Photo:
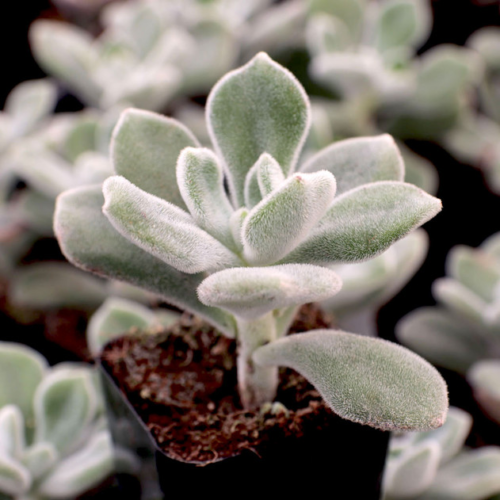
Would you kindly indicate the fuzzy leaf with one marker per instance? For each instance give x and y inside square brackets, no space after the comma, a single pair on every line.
[11,431]
[474,475]
[452,435]
[251,189]
[145,148]
[258,108]
[359,161]
[349,11]
[114,318]
[30,102]
[201,184]
[14,478]
[65,403]
[365,380]
[483,378]
[39,458]
[365,221]
[54,285]
[325,33]
[282,220]
[269,174]
[162,229]
[235,224]
[27,368]
[252,292]
[412,473]
[78,239]
[66,52]
[475,269]
[81,471]
[441,338]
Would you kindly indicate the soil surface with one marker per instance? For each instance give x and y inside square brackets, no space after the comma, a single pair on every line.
[182,382]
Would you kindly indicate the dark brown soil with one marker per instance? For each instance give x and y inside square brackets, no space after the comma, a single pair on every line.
[183,385]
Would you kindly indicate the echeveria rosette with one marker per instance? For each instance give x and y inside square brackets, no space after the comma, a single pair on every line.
[435,465]
[245,261]
[53,437]
[463,332]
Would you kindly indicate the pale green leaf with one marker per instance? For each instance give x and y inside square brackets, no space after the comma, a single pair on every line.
[251,292]
[359,161]
[93,247]
[251,188]
[236,223]
[487,42]
[441,338]
[474,475]
[14,478]
[351,12]
[410,474]
[39,458]
[27,368]
[483,377]
[145,148]
[419,171]
[201,184]
[81,137]
[326,33]
[51,285]
[81,471]
[65,403]
[365,380]
[283,219]
[269,174]
[259,108]
[365,221]
[163,229]
[12,440]
[114,318]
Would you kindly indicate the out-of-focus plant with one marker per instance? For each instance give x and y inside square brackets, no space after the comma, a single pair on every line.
[463,333]
[476,139]
[434,465]
[53,437]
[369,285]
[148,52]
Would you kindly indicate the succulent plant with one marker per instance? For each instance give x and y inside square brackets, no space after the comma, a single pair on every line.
[463,332]
[245,261]
[149,51]
[434,465]
[53,437]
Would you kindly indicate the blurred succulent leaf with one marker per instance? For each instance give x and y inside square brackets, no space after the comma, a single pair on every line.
[258,108]
[27,368]
[131,264]
[154,142]
[419,171]
[51,285]
[80,471]
[365,221]
[351,12]
[40,458]
[65,403]
[162,229]
[114,318]
[283,219]
[252,292]
[269,174]
[359,161]
[236,223]
[487,42]
[326,33]
[441,338]
[14,478]
[412,472]
[12,441]
[360,378]
[81,137]
[201,184]
[483,377]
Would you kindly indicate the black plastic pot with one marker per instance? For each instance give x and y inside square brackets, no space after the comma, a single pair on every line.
[345,460]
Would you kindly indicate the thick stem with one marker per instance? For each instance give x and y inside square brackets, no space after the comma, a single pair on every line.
[257,384]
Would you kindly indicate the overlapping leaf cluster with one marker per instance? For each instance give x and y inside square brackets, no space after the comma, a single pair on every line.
[53,437]
[434,465]
[246,261]
[463,332]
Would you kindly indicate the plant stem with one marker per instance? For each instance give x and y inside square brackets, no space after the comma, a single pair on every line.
[257,385]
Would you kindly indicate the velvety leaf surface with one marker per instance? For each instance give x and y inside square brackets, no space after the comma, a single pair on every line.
[14,478]
[252,292]
[284,218]
[366,221]
[92,247]
[11,431]
[152,142]
[162,229]
[258,108]
[358,161]
[269,174]
[366,380]
[27,368]
[201,184]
